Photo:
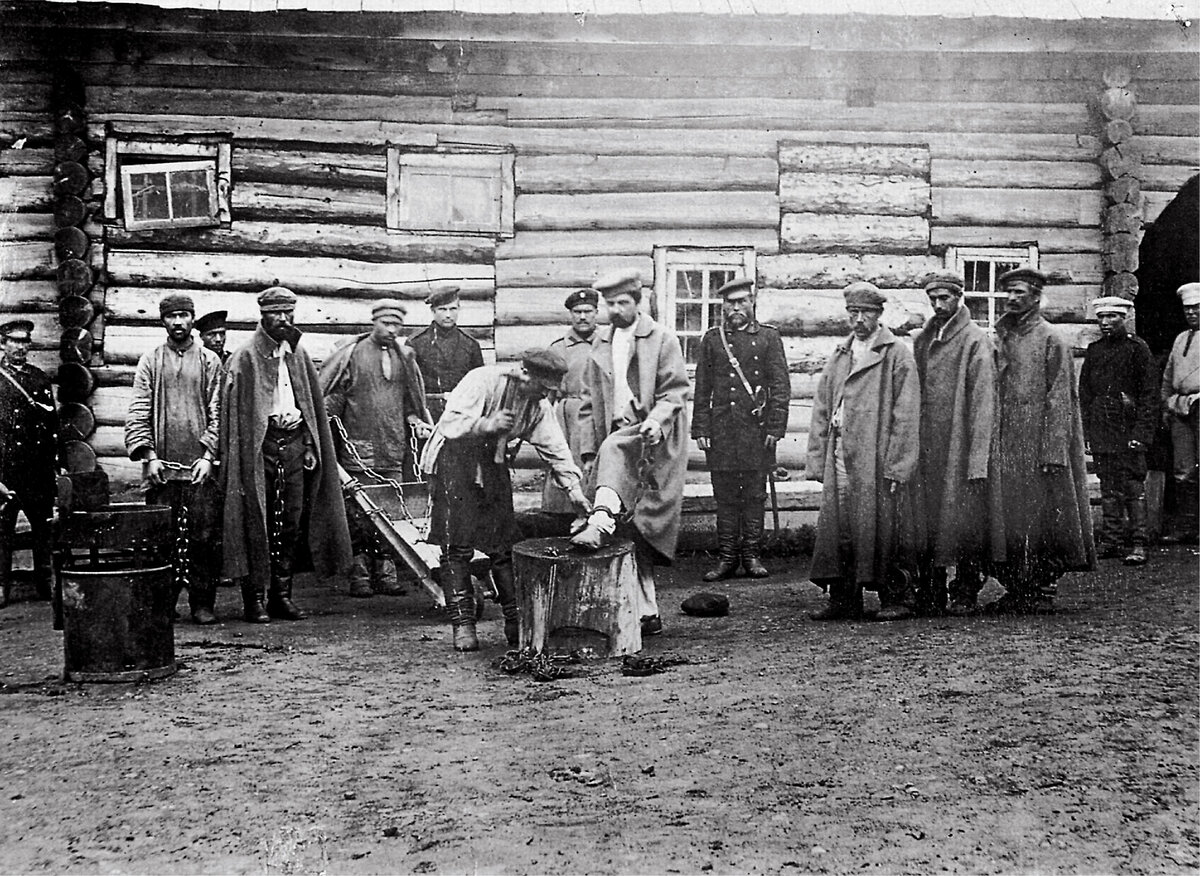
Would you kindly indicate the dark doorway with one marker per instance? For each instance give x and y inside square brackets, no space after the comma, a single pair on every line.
[1168,257]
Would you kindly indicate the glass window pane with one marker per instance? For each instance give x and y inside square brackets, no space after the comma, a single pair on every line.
[475,202]
[714,314]
[719,279]
[689,284]
[149,195]
[688,319]
[978,305]
[691,345]
[189,194]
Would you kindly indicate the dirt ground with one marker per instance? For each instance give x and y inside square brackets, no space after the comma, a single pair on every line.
[359,742]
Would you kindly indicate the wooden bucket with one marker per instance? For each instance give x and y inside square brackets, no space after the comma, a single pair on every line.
[577,602]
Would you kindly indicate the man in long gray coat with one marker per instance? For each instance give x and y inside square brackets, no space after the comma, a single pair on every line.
[863,445]
[1047,518]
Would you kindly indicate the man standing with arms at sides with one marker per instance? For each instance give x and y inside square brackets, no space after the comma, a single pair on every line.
[1118,397]
[279,466]
[739,415]
[1181,400]
[28,450]
[212,330]
[1047,518]
[173,428]
[444,351]
[635,435]
[374,387]
[956,363]
[576,349]
[470,486]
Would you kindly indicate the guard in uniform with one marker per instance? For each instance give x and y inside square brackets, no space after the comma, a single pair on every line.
[740,413]
[28,447]
[211,327]
[444,351]
[1118,397]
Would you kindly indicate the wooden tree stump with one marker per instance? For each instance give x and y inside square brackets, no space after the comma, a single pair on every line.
[575,601]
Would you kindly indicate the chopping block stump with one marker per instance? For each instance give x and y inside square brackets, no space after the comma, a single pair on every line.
[577,601]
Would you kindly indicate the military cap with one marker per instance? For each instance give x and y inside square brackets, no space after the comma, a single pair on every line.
[1189,294]
[863,294]
[440,297]
[388,307]
[1112,304]
[620,283]
[546,366]
[582,296]
[740,287]
[212,321]
[706,605]
[277,299]
[17,329]
[174,302]
[943,280]
[1026,274]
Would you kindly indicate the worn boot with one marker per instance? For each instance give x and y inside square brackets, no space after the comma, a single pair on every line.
[460,603]
[502,575]
[845,603]
[360,577]
[253,610]
[383,576]
[727,546]
[752,531]
[202,597]
[1112,527]
[279,600]
[1135,507]
[964,589]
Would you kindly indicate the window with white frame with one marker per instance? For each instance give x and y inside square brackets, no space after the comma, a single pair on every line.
[167,182]
[685,289]
[980,267]
[461,192]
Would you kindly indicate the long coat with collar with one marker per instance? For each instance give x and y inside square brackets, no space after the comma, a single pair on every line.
[28,433]
[252,374]
[577,351]
[880,441]
[959,430]
[658,377]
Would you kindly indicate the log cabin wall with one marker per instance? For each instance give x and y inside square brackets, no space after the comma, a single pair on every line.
[836,147]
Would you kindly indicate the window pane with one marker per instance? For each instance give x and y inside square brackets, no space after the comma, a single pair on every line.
[149,195]
[688,318]
[689,284]
[978,305]
[717,279]
[425,196]
[714,314]
[189,194]
[691,345]
[475,202]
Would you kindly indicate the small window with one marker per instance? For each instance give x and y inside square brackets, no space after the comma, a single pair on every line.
[454,192]
[160,182]
[980,267]
[686,282]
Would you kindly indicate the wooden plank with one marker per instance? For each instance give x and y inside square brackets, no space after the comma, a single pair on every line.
[527,306]
[1166,177]
[110,404]
[302,275]
[26,259]
[1017,207]
[1167,150]
[608,173]
[22,296]
[571,271]
[559,244]
[808,271]
[1047,239]
[263,201]
[1154,203]
[25,193]
[1068,304]
[1167,120]
[950,172]
[853,193]
[364,243]
[1084,267]
[259,129]
[822,233]
[881,159]
[26,226]
[26,162]
[819,312]
[109,440]
[659,210]
[274,164]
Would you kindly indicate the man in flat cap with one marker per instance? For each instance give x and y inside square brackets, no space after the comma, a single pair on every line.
[283,497]
[956,364]
[491,411]
[1118,398]
[373,386]
[635,437]
[212,331]
[863,446]
[28,455]
[739,414]
[1047,518]
[576,348]
[444,351]
[1181,400]
[173,428]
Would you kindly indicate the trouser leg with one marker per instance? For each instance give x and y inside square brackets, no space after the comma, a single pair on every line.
[725,491]
[8,522]
[1112,506]
[506,590]
[1185,446]
[753,505]
[460,595]
[1135,508]
[647,593]
[283,460]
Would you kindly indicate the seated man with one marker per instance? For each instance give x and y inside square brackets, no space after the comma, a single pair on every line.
[635,434]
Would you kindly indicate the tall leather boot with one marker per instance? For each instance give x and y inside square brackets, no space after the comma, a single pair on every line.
[1135,507]
[202,597]
[1112,527]
[279,600]
[845,603]
[752,533]
[727,544]
[502,575]
[460,603]
[253,610]
[360,577]
[896,595]
[1189,496]
[383,576]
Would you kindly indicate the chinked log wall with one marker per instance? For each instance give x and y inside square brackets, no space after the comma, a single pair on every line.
[631,132]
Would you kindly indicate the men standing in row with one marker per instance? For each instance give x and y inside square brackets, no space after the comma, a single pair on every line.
[173,428]
[1181,400]
[1047,519]
[576,349]
[373,386]
[279,462]
[740,413]
[212,331]
[470,486]
[863,446]
[28,455]
[1118,398]
[444,351]
[635,435]
[956,364]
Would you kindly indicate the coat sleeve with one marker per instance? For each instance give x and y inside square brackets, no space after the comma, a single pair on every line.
[904,442]
[414,385]
[334,378]
[1168,393]
[475,360]
[671,385]
[464,408]
[1061,405]
[779,387]
[139,419]
[1147,395]
[211,439]
[818,428]
[981,409]
[548,440]
[588,441]
[1086,396]
[702,397]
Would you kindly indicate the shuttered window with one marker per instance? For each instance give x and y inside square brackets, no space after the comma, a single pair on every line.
[454,192]
[686,283]
[980,267]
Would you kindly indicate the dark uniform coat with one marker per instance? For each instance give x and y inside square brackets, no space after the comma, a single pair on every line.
[28,434]
[1118,393]
[577,351]
[445,357]
[723,412]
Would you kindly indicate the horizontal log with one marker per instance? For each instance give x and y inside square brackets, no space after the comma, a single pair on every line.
[302,275]
[256,128]
[361,242]
[26,226]
[296,203]
[26,259]
[823,233]
[522,306]
[807,271]
[1063,207]
[108,440]
[25,194]
[114,375]
[1154,203]
[818,312]
[1047,239]
[1168,150]
[20,296]
[853,193]
[560,244]
[26,162]
[947,172]
[1167,177]
[309,166]
[1072,267]
[110,404]
[881,159]
[718,209]
[559,174]
[1064,304]
[571,271]
[124,477]
[1167,120]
